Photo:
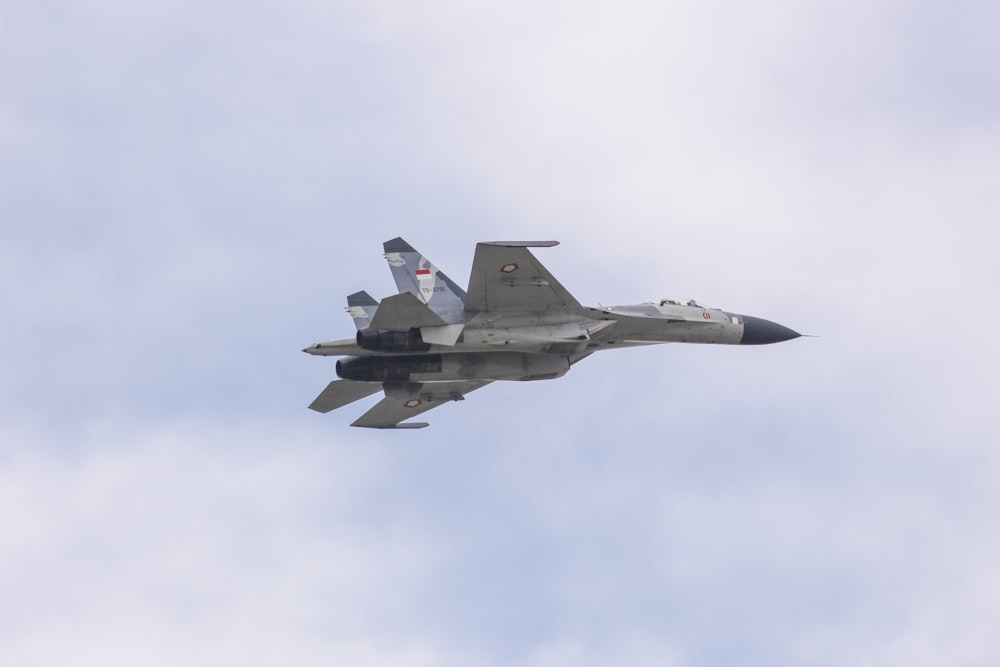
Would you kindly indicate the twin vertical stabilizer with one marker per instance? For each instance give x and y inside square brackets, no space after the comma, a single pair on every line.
[415,274]
[428,299]
[361,307]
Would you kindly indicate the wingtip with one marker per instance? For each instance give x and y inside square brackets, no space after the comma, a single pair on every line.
[521,244]
[390,427]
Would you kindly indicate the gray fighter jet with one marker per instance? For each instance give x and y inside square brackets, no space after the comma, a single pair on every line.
[434,342]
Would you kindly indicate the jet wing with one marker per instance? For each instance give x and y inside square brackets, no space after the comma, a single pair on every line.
[506,276]
[341,392]
[405,400]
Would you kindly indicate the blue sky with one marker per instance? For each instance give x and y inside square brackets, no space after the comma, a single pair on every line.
[188,191]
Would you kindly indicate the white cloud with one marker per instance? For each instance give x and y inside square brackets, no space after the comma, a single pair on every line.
[192,542]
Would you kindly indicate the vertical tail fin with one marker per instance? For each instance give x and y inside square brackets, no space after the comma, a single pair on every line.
[415,273]
[361,307]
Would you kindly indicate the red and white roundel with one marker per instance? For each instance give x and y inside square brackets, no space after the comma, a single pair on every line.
[508,268]
[412,403]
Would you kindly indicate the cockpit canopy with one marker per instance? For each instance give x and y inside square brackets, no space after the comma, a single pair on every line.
[680,302]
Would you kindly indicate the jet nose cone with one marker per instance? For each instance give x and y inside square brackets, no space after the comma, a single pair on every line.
[312,349]
[758,331]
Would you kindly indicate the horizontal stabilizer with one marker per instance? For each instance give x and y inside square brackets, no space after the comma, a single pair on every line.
[403,312]
[446,335]
[341,392]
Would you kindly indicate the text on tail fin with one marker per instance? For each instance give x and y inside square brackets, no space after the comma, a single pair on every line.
[415,274]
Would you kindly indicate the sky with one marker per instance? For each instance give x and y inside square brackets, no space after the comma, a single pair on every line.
[189,190]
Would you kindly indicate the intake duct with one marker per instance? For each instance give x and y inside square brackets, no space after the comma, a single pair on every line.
[387,369]
[381,340]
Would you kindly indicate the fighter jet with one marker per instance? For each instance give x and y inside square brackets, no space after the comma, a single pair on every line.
[433,342]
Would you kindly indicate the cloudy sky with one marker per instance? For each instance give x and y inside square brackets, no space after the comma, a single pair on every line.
[188,190]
